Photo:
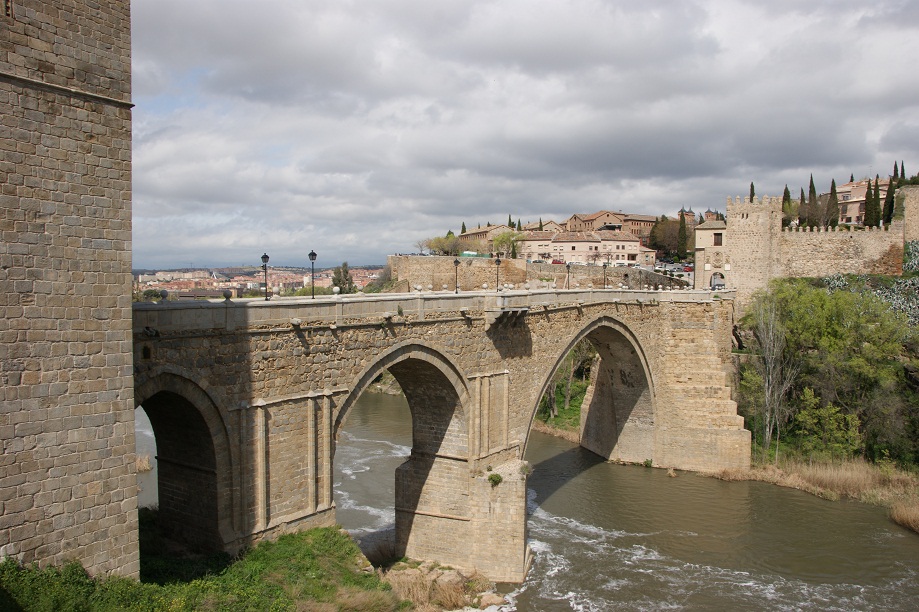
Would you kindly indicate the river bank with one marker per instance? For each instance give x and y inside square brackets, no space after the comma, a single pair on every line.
[880,485]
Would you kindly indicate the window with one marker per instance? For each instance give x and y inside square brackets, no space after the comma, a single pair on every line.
[8,8]
[717,238]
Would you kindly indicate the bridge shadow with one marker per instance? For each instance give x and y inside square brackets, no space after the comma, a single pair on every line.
[552,473]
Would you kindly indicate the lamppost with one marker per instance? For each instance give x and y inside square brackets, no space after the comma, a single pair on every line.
[605,265]
[265,268]
[497,271]
[568,275]
[456,263]
[312,257]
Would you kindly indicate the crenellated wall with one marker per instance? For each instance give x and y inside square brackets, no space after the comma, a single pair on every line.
[757,248]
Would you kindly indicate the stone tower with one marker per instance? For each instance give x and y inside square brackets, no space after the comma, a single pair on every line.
[753,232]
[67,473]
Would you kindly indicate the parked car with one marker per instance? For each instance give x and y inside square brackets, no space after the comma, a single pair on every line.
[687,268]
[539,261]
[556,261]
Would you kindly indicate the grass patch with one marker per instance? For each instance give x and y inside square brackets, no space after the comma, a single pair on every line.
[568,419]
[319,569]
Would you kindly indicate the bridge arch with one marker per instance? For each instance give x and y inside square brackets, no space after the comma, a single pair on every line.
[196,481]
[432,485]
[619,410]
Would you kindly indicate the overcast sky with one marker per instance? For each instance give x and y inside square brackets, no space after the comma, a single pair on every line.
[356,128]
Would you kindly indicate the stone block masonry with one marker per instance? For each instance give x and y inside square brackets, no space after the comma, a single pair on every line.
[757,248]
[67,474]
[261,390]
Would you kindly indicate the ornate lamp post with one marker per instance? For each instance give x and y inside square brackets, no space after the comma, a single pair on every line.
[497,271]
[456,263]
[312,257]
[605,265]
[568,275]
[265,268]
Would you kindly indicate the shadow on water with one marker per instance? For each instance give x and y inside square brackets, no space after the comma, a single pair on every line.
[554,472]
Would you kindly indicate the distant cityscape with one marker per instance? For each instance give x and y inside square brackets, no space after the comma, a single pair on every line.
[193,283]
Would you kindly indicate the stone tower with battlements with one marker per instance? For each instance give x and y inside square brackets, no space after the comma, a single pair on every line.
[67,468]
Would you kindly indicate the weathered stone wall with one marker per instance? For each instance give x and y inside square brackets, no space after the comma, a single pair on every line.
[67,474]
[281,377]
[437,273]
[838,250]
[757,248]
[907,201]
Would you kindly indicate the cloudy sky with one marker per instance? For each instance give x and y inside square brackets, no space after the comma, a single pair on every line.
[356,128]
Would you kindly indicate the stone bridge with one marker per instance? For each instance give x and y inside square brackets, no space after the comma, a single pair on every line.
[247,399]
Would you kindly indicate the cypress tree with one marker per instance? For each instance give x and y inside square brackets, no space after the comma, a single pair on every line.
[540,224]
[752,192]
[877,197]
[510,222]
[802,210]
[896,172]
[463,229]
[832,206]
[812,203]
[681,237]
[888,203]
[519,225]
[786,206]
[872,211]
[852,176]
[902,171]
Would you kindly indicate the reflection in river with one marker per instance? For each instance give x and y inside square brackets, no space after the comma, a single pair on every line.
[627,537]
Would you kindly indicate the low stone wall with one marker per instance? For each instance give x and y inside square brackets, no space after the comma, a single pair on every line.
[437,273]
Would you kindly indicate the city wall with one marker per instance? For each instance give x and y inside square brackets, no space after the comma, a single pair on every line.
[757,249]
[67,471]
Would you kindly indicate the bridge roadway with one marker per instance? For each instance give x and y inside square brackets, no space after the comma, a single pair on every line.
[247,398]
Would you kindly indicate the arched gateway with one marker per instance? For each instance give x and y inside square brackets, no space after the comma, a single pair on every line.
[249,397]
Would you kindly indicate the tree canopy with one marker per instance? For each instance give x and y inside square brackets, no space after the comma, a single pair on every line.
[850,351]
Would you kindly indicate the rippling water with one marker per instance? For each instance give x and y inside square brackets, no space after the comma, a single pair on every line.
[626,537]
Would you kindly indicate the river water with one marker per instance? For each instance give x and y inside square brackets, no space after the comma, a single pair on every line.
[611,537]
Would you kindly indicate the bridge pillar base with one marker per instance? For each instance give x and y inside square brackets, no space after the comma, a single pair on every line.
[703,450]
[487,534]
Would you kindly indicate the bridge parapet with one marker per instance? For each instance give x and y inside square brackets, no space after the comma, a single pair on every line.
[189,316]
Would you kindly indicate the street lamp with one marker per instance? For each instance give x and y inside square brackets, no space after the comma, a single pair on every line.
[497,271]
[312,257]
[568,275]
[456,263]
[265,268]
[605,266]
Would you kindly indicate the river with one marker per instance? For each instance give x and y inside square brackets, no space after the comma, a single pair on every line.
[610,536]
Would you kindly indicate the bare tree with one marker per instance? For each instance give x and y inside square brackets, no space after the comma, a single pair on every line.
[777,367]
